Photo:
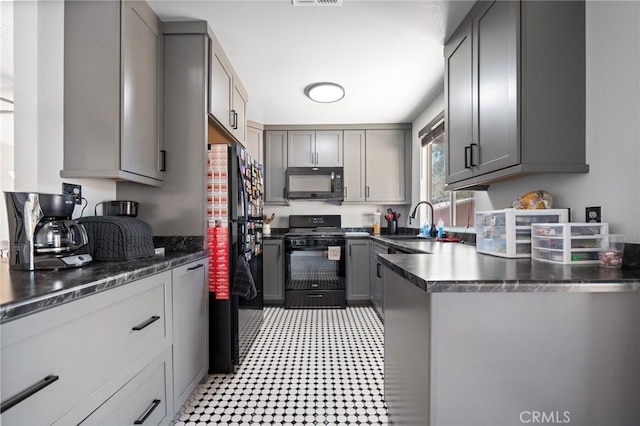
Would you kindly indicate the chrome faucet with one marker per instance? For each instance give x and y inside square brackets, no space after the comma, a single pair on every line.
[433,231]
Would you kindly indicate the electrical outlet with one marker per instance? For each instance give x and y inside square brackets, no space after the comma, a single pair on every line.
[72,189]
[593,214]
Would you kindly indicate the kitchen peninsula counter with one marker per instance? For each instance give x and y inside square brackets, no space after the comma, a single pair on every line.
[452,267]
[27,292]
[466,331]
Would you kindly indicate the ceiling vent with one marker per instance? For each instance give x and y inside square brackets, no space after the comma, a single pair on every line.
[316,2]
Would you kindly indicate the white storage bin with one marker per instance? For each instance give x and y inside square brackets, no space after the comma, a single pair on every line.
[507,232]
[569,243]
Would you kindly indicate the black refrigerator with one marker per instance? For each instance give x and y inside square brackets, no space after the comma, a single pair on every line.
[234,208]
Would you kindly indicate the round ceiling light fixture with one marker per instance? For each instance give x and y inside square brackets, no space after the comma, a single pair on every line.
[324,92]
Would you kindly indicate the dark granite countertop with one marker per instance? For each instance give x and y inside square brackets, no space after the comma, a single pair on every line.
[452,267]
[24,292]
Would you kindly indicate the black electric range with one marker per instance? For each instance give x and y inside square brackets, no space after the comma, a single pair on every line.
[315,262]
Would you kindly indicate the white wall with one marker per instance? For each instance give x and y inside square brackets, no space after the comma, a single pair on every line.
[353,216]
[39,90]
[612,129]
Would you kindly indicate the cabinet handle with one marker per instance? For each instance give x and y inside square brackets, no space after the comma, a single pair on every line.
[378,270]
[315,296]
[467,150]
[147,412]
[471,154]
[193,268]
[146,323]
[317,158]
[235,120]
[231,118]
[21,396]
[163,167]
[366,193]
[344,192]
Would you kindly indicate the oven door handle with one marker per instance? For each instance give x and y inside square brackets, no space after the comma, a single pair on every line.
[315,296]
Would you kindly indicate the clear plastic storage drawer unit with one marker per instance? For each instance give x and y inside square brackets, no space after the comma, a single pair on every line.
[569,243]
[507,232]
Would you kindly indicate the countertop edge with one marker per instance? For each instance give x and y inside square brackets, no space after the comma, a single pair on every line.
[12,311]
[511,286]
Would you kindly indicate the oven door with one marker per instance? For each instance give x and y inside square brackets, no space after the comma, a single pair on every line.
[315,275]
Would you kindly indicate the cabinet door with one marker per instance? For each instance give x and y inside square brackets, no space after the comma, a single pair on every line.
[221,84]
[275,166]
[273,271]
[146,396]
[376,278]
[254,143]
[385,161]
[358,270]
[496,39]
[141,67]
[301,148]
[458,93]
[189,328]
[328,148]
[354,168]
[240,113]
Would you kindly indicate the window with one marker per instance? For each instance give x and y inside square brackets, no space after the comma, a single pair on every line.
[433,165]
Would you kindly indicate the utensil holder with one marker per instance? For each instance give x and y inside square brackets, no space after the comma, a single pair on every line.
[392,227]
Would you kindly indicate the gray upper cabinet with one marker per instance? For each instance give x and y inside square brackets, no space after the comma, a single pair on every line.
[275,153]
[112,92]
[254,143]
[385,172]
[459,93]
[315,148]
[515,92]
[358,270]
[354,171]
[228,97]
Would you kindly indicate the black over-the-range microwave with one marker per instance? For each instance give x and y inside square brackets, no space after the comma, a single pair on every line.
[314,183]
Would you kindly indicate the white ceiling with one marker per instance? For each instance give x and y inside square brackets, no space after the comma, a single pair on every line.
[386,54]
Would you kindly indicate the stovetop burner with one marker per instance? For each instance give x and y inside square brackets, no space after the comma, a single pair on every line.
[315,226]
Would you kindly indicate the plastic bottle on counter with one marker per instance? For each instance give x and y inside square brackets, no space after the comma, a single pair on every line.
[376,223]
[440,228]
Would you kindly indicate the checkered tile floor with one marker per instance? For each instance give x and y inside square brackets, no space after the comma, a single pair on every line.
[306,367]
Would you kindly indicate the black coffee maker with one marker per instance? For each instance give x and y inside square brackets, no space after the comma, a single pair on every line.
[42,234]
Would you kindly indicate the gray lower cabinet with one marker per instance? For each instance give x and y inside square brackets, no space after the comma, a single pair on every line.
[273,271]
[358,270]
[406,351]
[448,356]
[112,92]
[190,319]
[79,355]
[375,281]
[514,92]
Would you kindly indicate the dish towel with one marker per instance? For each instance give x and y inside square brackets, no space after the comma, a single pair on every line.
[334,253]
[243,283]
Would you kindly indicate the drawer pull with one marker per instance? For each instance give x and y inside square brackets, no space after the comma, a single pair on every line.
[18,398]
[147,412]
[315,296]
[146,323]
[193,268]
